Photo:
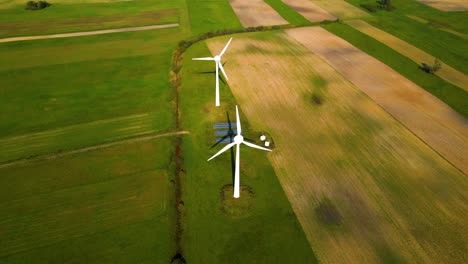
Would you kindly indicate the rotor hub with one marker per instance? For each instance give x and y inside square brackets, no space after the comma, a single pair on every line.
[238,139]
[217,58]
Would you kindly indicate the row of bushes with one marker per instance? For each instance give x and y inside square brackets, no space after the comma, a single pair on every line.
[32,5]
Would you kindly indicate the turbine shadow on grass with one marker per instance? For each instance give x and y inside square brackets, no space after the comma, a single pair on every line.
[213,72]
[229,135]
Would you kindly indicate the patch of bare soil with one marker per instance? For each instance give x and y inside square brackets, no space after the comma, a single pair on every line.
[252,13]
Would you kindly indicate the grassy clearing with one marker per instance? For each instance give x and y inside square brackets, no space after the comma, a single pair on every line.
[363,187]
[112,205]
[450,48]
[210,236]
[448,93]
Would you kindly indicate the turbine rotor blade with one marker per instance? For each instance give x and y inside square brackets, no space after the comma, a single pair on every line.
[225,47]
[238,124]
[222,70]
[255,146]
[228,146]
[206,58]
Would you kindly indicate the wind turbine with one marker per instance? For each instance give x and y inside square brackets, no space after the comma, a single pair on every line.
[219,66]
[238,140]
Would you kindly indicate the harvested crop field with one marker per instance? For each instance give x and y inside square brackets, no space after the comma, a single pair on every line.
[340,8]
[447,5]
[429,118]
[417,55]
[309,10]
[352,173]
[252,13]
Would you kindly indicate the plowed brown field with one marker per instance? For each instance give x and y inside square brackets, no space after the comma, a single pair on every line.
[309,10]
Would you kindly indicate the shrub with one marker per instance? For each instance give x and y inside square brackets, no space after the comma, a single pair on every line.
[431,69]
[32,5]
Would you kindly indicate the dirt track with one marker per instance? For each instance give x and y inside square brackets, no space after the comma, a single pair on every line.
[309,10]
[446,72]
[252,13]
[429,118]
[87,33]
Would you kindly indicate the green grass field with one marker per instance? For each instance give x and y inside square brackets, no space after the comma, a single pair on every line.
[269,232]
[105,206]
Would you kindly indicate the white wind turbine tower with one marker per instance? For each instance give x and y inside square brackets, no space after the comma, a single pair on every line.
[219,65]
[238,140]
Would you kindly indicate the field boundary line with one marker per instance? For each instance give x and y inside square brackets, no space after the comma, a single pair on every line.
[90,148]
[88,33]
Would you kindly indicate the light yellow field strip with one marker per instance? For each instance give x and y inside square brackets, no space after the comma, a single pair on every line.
[97,147]
[446,72]
[309,10]
[88,33]
[252,13]
[341,8]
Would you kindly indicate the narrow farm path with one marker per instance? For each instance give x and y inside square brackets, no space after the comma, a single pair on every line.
[419,56]
[88,33]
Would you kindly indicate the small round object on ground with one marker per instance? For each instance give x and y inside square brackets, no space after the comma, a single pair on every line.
[262,137]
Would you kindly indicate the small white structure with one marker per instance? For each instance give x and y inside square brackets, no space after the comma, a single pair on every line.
[267,143]
[219,66]
[262,137]
[238,140]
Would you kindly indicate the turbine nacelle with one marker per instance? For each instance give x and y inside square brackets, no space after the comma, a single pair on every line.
[217,58]
[238,139]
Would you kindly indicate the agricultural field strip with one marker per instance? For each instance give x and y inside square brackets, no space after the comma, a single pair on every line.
[252,13]
[425,115]
[92,148]
[418,56]
[447,5]
[88,33]
[309,10]
[314,159]
[424,21]
[341,9]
